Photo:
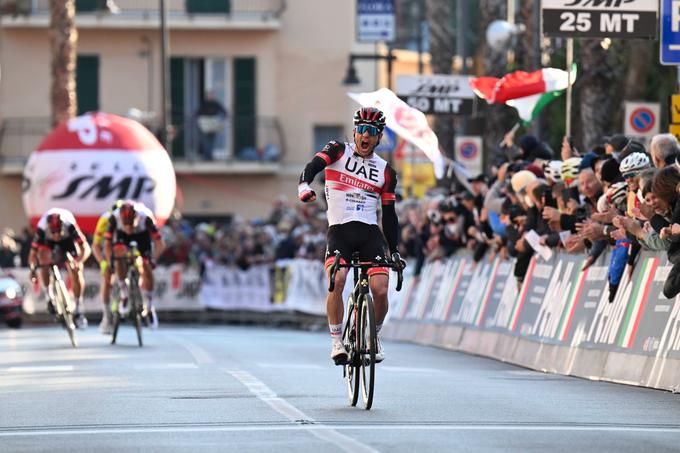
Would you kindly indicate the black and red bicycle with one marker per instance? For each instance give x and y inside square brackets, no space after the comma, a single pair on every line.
[359,335]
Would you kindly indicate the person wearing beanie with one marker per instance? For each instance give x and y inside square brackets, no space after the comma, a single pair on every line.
[533,149]
[609,172]
[614,144]
[588,161]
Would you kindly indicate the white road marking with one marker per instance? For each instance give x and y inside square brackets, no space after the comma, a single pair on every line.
[166,366]
[200,355]
[39,369]
[283,407]
[291,366]
[320,429]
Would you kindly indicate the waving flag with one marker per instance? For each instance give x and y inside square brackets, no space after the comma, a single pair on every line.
[407,122]
[528,92]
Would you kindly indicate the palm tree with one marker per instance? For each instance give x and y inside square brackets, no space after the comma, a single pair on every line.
[498,118]
[599,90]
[442,35]
[63,40]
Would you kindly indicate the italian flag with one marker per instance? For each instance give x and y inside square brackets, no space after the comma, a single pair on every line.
[527,92]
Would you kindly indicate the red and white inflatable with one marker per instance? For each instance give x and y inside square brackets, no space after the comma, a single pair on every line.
[87,163]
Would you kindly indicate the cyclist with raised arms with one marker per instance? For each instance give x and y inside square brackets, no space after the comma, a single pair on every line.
[105,267]
[134,222]
[358,182]
[58,228]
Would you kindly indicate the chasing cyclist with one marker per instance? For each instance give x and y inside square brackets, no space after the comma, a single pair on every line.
[104,266]
[134,222]
[58,228]
[357,182]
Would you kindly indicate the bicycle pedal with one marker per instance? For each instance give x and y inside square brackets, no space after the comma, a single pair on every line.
[341,361]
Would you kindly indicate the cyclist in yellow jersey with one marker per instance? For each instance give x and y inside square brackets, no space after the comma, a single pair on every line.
[104,266]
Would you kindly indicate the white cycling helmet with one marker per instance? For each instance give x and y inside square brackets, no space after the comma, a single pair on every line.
[633,164]
[569,171]
[551,170]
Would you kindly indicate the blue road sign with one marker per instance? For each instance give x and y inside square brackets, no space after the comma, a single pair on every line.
[670,32]
[375,20]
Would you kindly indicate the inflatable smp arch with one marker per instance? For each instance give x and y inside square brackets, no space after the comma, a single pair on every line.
[87,163]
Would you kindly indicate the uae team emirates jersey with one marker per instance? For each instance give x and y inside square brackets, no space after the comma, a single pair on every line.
[355,186]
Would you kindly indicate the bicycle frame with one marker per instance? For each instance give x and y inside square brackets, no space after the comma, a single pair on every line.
[359,333]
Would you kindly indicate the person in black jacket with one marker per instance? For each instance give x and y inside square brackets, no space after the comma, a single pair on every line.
[665,186]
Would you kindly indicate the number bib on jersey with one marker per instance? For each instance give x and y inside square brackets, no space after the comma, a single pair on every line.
[353,187]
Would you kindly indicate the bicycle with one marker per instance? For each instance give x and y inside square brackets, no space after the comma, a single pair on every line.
[359,335]
[63,302]
[135,301]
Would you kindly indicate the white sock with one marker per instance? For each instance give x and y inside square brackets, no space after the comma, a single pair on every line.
[148,295]
[336,331]
[377,328]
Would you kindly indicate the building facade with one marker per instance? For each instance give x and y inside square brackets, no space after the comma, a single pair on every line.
[276,66]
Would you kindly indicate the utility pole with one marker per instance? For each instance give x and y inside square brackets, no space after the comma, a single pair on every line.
[165,75]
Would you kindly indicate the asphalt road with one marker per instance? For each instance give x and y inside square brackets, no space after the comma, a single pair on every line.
[253,389]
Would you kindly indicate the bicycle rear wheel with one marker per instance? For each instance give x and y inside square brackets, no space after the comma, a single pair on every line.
[351,368]
[63,299]
[137,306]
[116,325]
[367,346]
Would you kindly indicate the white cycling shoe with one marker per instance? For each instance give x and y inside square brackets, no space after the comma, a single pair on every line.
[379,352]
[105,326]
[153,318]
[339,353]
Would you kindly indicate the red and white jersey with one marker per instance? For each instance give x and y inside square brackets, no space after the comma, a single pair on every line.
[355,187]
[145,219]
[67,220]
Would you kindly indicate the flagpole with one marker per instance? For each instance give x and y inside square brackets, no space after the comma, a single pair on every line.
[570,63]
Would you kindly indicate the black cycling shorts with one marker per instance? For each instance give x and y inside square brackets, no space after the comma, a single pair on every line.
[143,239]
[351,237]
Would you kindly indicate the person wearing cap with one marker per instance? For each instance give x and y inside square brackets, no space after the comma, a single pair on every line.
[57,230]
[614,144]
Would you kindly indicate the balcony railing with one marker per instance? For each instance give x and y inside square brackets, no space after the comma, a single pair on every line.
[246,143]
[197,12]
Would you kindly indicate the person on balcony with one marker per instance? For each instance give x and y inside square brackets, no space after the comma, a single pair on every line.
[211,117]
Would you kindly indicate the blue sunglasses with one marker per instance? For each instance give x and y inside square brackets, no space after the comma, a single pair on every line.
[372,130]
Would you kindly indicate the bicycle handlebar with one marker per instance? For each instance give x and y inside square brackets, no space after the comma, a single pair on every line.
[364,265]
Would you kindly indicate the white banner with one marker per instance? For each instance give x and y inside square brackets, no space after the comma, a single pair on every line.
[407,122]
[176,288]
[229,288]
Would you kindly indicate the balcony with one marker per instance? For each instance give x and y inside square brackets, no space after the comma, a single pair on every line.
[246,145]
[144,14]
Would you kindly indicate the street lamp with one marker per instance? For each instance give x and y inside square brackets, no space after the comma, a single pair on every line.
[351,77]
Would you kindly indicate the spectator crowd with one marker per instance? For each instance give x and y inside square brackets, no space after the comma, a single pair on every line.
[620,196]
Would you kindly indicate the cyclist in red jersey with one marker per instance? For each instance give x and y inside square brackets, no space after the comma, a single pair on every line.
[358,183]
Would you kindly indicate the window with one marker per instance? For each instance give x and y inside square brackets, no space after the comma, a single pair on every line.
[324,134]
[87,83]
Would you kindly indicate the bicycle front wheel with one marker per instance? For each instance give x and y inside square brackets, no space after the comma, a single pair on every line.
[349,339]
[368,346]
[64,301]
[137,307]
